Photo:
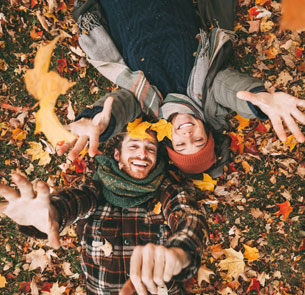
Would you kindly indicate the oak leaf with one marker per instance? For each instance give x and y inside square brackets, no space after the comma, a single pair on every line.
[251,253]
[37,153]
[234,263]
[46,86]
[204,274]
[285,209]
[207,183]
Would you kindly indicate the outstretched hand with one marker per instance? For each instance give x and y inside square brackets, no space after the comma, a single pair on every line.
[279,107]
[28,209]
[88,130]
[151,266]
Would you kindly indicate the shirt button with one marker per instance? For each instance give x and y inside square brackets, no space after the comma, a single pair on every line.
[127,274]
[159,235]
[126,242]
[125,211]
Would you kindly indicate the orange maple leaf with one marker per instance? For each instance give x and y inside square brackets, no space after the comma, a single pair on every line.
[138,129]
[243,122]
[237,145]
[285,209]
[292,16]
[46,87]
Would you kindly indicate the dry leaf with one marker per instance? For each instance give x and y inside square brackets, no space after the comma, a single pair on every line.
[285,209]
[243,122]
[37,153]
[56,290]
[283,78]
[105,246]
[291,142]
[46,87]
[38,258]
[293,17]
[251,253]
[42,20]
[163,128]
[254,26]
[66,268]
[266,25]
[52,5]
[234,263]
[204,274]
[207,183]
[157,209]
[2,281]
[227,291]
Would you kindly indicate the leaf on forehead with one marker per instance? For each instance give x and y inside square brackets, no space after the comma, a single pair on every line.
[163,128]
[137,129]
[46,86]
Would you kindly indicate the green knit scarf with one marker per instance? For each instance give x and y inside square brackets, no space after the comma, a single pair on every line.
[122,190]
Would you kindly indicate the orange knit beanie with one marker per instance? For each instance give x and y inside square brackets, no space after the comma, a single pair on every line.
[195,163]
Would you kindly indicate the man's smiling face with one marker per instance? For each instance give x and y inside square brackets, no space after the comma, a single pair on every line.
[137,157]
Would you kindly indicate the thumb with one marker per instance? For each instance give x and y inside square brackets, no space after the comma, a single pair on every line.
[127,288]
[105,115]
[246,95]
[53,236]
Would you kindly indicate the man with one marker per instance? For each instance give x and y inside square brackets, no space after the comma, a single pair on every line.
[139,224]
[147,47]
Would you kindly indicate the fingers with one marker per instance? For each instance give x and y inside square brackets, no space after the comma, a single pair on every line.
[148,268]
[105,115]
[43,192]
[300,103]
[127,288]
[299,116]
[294,128]
[8,193]
[278,127]
[24,185]
[93,144]
[170,266]
[53,235]
[78,147]
[136,270]
[159,267]
[65,147]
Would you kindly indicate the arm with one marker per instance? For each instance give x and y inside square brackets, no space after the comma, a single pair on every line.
[52,212]
[153,265]
[92,125]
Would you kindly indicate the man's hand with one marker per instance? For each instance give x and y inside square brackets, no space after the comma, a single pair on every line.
[153,265]
[279,107]
[28,209]
[88,130]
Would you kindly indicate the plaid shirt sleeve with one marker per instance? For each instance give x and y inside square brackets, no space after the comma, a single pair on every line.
[75,204]
[188,226]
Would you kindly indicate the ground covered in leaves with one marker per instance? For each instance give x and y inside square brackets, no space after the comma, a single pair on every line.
[256,212]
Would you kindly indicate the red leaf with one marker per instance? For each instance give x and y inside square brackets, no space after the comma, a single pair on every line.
[46,287]
[285,209]
[10,276]
[61,64]
[80,165]
[237,145]
[302,246]
[33,3]
[189,284]
[35,35]
[261,127]
[24,287]
[62,6]
[254,285]
[299,52]
[253,12]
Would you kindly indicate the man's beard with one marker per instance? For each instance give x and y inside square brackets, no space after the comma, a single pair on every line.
[136,174]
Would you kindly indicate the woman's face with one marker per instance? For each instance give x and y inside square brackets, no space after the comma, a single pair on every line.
[188,134]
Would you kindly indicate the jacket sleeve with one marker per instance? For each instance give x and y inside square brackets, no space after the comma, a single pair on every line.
[125,108]
[71,206]
[225,86]
[188,226]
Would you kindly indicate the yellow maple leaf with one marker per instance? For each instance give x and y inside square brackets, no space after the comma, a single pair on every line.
[291,142]
[207,183]
[251,253]
[243,122]
[37,153]
[139,131]
[234,264]
[2,281]
[46,86]
[163,128]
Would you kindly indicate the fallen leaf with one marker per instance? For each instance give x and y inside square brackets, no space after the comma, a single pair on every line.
[38,258]
[254,285]
[37,153]
[2,281]
[243,122]
[137,129]
[204,274]
[46,87]
[163,128]
[52,5]
[56,290]
[283,78]
[251,253]
[234,263]
[291,142]
[157,209]
[285,209]
[227,291]
[254,26]
[66,268]
[293,17]
[266,25]
[207,183]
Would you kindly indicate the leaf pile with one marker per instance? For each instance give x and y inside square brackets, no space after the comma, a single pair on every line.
[256,211]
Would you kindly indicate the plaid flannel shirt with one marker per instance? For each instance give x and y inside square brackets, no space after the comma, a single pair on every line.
[111,233]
